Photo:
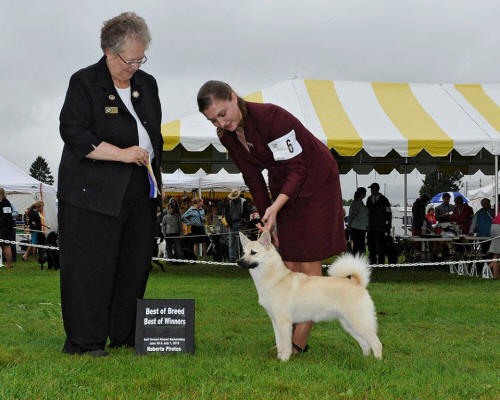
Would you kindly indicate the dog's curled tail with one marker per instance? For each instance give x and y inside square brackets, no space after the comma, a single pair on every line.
[354,265]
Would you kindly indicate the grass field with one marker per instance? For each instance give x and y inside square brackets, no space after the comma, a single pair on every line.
[441,337]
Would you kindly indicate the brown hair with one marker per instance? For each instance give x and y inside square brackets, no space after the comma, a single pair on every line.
[2,193]
[218,90]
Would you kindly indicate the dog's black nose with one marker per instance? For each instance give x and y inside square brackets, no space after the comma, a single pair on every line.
[245,264]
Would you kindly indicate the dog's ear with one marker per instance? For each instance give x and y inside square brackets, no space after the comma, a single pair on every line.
[265,239]
[244,240]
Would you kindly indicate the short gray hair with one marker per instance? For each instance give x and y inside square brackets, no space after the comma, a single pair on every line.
[126,26]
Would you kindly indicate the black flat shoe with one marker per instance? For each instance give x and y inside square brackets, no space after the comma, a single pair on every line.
[299,349]
[97,353]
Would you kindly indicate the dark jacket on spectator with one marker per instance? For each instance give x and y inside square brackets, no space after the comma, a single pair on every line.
[34,220]
[6,221]
[379,213]
[418,213]
[236,210]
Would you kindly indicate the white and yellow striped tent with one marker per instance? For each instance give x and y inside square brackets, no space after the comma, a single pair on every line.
[378,125]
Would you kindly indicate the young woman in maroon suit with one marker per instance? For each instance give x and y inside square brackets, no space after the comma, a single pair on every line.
[303,179]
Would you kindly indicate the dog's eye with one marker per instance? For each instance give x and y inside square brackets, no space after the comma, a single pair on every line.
[253,252]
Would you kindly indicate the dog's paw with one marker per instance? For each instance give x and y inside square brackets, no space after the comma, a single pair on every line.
[284,355]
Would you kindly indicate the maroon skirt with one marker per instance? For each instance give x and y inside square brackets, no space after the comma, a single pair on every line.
[312,228]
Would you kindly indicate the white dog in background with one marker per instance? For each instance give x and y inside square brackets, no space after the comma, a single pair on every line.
[162,247]
[291,297]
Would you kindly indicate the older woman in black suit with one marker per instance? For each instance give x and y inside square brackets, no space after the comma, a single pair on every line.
[110,125]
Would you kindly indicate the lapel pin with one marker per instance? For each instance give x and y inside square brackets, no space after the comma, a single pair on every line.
[111,97]
[135,94]
[111,110]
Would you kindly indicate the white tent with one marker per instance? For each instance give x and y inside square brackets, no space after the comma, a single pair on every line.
[370,125]
[222,181]
[476,195]
[178,181]
[23,190]
[482,192]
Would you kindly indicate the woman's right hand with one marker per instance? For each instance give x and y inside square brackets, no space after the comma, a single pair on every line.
[134,154]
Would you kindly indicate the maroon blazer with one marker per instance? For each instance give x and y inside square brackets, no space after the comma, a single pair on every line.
[298,163]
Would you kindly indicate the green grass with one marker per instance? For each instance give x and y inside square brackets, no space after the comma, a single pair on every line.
[441,337]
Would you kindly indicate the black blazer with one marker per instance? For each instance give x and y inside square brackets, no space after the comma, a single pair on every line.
[86,120]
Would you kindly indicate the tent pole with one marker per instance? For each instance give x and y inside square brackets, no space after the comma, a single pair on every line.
[496,185]
[406,197]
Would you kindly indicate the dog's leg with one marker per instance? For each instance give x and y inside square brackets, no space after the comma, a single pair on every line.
[375,344]
[365,346]
[284,341]
[365,326]
[276,332]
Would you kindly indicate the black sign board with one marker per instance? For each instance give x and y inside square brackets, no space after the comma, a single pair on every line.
[164,326]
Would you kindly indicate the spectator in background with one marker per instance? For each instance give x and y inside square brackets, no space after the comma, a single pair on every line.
[462,215]
[431,220]
[6,225]
[253,220]
[234,212]
[418,215]
[481,223]
[495,245]
[40,207]
[13,249]
[357,221]
[347,232]
[379,223]
[195,217]
[431,216]
[444,210]
[35,227]
[172,230]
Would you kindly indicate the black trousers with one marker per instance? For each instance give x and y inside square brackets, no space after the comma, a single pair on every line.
[376,246]
[174,246]
[358,240]
[13,248]
[105,262]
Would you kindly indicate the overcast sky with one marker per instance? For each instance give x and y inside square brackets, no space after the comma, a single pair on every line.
[251,45]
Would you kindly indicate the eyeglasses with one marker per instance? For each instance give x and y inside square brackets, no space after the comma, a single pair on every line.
[133,62]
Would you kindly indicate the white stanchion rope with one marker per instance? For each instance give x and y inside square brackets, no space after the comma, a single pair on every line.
[448,263]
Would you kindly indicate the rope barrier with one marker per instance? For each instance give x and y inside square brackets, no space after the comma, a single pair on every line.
[23,244]
[461,268]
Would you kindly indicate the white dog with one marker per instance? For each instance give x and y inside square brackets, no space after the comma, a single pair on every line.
[162,247]
[290,297]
